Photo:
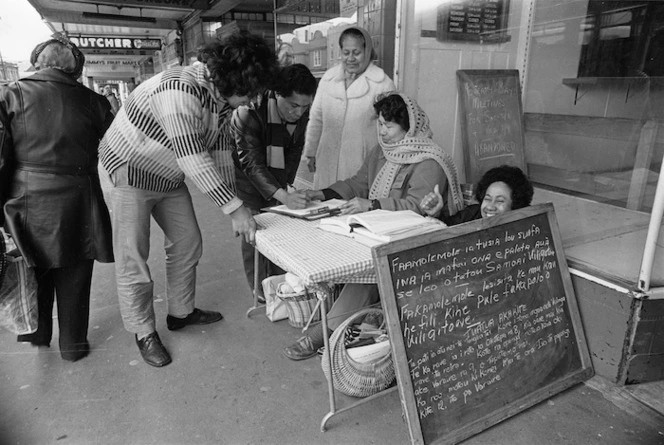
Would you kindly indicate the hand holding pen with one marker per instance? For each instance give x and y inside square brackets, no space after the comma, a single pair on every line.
[297,200]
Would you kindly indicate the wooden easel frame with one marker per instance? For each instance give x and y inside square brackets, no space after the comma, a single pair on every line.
[510,407]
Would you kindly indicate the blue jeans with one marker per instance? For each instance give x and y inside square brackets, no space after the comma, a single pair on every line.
[131,209]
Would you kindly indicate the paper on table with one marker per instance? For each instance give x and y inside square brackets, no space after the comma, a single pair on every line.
[315,210]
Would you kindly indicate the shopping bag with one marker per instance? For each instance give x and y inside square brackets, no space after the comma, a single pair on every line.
[18,297]
[275,308]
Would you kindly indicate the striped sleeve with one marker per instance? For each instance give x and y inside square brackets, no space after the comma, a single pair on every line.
[176,106]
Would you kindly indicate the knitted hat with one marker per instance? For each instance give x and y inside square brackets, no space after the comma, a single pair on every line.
[54,61]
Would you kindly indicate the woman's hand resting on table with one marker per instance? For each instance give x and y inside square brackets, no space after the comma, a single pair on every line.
[355,205]
[432,203]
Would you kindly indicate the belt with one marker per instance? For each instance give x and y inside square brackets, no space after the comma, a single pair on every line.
[54,169]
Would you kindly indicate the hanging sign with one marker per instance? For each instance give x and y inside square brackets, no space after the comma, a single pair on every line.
[110,42]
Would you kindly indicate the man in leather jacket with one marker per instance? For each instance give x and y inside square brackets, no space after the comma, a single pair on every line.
[269,138]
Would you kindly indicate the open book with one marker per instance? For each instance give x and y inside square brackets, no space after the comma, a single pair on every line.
[381,226]
[315,209]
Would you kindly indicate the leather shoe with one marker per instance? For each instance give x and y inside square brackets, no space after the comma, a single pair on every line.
[197,317]
[302,349]
[33,339]
[153,351]
[76,352]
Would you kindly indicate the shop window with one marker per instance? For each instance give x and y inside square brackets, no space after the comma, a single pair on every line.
[622,39]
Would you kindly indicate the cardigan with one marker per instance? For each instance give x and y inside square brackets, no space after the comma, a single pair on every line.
[412,183]
[342,123]
[167,130]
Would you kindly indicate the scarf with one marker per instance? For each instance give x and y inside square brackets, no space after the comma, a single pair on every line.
[416,146]
[79,58]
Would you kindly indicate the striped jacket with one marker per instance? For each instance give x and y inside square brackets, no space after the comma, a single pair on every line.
[169,129]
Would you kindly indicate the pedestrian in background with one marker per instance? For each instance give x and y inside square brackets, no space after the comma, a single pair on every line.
[168,129]
[50,128]
[112,99]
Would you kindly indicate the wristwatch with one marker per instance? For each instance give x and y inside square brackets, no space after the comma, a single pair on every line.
[375,204]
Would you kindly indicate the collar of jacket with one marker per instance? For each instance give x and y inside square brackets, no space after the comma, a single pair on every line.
[53,75]
[361,86]
[201,73]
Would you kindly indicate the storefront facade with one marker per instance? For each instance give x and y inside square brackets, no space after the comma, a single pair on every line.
[590,75]
[592,144]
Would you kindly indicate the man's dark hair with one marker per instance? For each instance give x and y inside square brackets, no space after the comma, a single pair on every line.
[242,64]
[516,180]
[295,78]
[394,109]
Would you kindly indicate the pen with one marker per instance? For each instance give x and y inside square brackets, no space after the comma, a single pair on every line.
[318,211]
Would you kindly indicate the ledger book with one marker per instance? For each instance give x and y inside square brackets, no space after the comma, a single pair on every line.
[381,226]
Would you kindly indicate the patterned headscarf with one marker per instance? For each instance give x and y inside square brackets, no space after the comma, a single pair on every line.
[416,146]
[79,58]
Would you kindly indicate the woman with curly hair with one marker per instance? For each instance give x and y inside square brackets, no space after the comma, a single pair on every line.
[170,128]
[500,190]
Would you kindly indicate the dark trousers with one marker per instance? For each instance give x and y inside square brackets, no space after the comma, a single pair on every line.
[266,267]
[71,286]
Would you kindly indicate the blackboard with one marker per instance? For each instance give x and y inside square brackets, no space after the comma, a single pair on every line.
[483,21]
[491,120]
[483,322]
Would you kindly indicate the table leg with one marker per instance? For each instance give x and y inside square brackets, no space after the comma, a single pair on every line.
[256,284]
[326,293]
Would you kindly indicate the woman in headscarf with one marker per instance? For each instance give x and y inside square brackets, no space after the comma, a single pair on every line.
[50,196]
[399,172]
[341,129]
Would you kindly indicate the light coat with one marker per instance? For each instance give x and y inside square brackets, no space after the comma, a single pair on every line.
[342,123]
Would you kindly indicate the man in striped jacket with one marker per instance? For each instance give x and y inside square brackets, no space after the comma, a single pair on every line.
[168,129]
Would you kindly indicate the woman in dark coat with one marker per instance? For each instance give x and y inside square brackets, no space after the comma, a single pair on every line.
[52,203]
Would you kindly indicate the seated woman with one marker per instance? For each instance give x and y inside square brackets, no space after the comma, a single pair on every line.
[396,175]
[500,190]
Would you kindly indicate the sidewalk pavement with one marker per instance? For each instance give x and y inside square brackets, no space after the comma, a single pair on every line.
[229,383]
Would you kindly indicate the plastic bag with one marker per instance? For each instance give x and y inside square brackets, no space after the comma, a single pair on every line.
[18,298]
[275,308]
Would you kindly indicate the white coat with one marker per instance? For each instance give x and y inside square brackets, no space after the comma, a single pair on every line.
[342,123]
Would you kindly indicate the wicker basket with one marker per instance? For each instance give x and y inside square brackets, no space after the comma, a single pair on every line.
[300,307]
[353,378]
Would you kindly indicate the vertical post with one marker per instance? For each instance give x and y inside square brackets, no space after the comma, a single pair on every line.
[274,21]
[653,235]
[2,62]
[4,69]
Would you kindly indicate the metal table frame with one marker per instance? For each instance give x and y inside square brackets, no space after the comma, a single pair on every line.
[319,258]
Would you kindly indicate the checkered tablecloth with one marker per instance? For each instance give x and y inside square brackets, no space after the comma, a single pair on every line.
[316,256]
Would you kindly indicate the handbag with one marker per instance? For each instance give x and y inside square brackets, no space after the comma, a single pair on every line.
[18,294]
[275,308]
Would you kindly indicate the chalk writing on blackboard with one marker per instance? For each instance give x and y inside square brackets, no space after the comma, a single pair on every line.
[484,319]
[491,120]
